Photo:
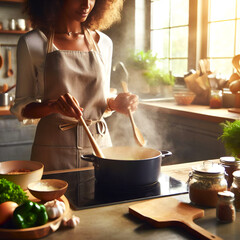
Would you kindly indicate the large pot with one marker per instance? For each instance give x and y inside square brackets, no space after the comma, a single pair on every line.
[127,166]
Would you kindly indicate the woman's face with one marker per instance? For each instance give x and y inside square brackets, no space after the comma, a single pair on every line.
[78,10]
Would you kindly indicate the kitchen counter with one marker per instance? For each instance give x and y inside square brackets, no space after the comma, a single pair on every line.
[170,107]
[113,222]
[4,110]
[200,112]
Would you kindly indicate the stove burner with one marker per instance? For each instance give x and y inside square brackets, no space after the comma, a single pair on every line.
[84,192]
[116,193]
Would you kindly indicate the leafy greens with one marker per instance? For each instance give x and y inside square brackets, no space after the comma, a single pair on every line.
[10,191]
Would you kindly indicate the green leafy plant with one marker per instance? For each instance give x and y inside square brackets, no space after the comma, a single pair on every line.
[155,76]
[142,59]
[231,137]
[148,63]
[10,191]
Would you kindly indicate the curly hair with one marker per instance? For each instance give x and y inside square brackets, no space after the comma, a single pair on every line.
[43,13]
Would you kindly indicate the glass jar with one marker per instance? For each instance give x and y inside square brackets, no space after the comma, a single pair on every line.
[225,211]
[205,181]
[216,99]
[235,188]
[230,165]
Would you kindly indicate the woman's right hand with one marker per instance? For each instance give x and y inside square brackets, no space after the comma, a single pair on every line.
[67,105]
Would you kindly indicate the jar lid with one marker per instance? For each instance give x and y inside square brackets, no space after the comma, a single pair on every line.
[226,195]
[228,160]
[236,174]
[209,168]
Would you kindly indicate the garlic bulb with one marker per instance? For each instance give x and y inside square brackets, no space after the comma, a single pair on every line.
[55,208]
[71,222]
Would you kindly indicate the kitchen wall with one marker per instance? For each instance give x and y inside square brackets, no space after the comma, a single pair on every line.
[8,41]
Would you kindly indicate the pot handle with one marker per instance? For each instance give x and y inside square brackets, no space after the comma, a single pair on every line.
[166,154]
[88,158]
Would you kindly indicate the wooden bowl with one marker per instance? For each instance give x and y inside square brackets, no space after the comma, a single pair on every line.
[21,172]
[48,189]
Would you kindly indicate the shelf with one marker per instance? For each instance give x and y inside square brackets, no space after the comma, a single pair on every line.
[13,1]
[12,31]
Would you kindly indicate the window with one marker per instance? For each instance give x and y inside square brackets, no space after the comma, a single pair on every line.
[223,34]
[184,31]
[169,33]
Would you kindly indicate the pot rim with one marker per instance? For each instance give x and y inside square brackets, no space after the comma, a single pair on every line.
[159,154]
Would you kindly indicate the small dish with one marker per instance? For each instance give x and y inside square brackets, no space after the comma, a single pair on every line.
[184,98]
[48,189]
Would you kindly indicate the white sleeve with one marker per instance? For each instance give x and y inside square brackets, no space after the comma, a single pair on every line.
[26,81]
[106,48]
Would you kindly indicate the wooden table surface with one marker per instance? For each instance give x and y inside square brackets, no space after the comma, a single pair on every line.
[5,111]
[192,111]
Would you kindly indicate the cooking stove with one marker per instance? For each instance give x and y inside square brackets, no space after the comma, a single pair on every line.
[84,192]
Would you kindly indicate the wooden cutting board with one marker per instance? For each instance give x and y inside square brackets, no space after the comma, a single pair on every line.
[165,212]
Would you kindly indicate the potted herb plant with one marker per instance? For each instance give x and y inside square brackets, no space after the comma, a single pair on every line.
[146,73]
[231,137]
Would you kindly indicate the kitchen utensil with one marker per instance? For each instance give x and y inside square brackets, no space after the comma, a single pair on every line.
[137,133]
[34,172]
[36,232]
[48,189]
[235,62]
[4,99]
[10,70]
[9,89]
[93,142]
[166,212]
[1,59]
[127,165]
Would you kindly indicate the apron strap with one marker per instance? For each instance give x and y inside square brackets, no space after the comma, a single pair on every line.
[90,40]
[100,124]
[91,43]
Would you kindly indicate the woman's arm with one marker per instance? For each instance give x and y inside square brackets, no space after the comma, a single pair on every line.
[66,105]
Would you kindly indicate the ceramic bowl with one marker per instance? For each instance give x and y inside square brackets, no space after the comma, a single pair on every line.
[184,98]
[48,189]
[21,172]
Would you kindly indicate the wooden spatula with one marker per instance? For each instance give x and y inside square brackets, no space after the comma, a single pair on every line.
[165,212]
[137,134]
[93,142]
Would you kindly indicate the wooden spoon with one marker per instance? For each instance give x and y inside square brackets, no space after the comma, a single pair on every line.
[1,60]
[235,62]
[137,134]
[9,71]
[8,88]
[93,142]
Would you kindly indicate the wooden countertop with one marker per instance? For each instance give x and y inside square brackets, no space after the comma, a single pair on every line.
[5,111]
[113,222]
[191,111]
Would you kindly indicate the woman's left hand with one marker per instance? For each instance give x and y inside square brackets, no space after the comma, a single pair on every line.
[124,102]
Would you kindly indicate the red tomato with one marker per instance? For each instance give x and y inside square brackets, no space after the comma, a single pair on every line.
[6,211]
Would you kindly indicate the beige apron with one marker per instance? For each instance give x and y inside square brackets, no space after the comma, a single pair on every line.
[82,74]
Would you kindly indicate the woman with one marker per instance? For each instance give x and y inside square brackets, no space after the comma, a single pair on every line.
[63,73]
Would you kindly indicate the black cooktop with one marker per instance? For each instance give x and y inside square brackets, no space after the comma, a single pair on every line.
[84,192]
